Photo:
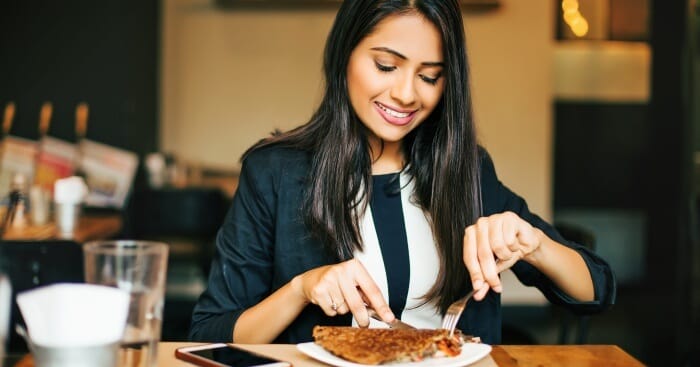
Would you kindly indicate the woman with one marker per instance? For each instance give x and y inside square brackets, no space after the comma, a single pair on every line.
[383,200]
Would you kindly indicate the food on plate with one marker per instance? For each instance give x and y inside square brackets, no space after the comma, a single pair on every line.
[383,346]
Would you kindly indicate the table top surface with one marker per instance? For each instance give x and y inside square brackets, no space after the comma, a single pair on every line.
[501,355]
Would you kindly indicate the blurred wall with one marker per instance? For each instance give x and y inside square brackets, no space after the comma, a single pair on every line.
[231,77]
[67,52]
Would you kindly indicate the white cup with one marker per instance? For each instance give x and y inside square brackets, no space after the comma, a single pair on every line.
[67,216]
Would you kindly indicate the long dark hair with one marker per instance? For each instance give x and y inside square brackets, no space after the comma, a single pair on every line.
[442,154]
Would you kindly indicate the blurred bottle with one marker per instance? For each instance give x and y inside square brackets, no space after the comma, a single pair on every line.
[156,168]
[176,172]
[16,214]
[81,117]
[40,201]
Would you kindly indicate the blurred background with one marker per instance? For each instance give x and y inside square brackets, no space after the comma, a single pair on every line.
[590,109]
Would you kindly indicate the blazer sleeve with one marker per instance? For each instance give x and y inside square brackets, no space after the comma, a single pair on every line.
[241,269]
[497,198]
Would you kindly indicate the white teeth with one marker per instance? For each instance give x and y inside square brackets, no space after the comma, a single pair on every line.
[392,112]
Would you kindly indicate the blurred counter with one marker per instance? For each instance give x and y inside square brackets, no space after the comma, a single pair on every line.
[90,227]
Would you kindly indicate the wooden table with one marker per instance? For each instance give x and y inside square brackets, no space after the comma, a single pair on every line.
[501,355]
[90,227]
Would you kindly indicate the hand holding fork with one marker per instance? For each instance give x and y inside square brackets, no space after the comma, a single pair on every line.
[491,245]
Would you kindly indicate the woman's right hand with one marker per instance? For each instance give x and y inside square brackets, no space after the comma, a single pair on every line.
[342,288]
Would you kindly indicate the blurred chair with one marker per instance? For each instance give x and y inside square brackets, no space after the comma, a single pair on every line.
[32,264]
[187,219]
[512,334]
[585,238]
[524,311]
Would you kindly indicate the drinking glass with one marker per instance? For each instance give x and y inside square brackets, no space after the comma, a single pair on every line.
[140,268]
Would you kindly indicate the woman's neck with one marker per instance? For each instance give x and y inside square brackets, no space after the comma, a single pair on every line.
[386,159]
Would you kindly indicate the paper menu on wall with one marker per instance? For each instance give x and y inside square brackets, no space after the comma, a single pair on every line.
[18,156]
[109,173]
[56,160]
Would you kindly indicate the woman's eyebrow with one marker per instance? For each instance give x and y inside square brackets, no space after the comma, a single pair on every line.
[401,56]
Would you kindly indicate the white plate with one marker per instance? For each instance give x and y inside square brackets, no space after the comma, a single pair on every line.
[471,352]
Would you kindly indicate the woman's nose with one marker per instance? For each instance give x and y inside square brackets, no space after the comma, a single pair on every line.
[403,90]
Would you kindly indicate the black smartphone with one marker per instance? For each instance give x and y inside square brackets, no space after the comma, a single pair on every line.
[225,355]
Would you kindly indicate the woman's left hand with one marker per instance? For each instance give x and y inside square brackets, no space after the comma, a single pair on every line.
[494,244]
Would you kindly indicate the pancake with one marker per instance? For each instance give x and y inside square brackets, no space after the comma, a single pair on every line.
[383,346]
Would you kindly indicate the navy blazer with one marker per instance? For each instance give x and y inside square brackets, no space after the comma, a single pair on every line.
[263,243]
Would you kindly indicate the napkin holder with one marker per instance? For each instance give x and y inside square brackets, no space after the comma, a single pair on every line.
[73,325]
[105,355]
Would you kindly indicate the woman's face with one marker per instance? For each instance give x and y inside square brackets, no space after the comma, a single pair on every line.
[395,76]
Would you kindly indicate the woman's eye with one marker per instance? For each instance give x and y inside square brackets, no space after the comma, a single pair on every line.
[429,80]
[384,68]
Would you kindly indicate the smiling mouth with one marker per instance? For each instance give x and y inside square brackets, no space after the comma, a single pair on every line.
[394,113]
[394,117]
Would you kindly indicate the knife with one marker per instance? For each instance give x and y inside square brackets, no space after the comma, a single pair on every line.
[396,324]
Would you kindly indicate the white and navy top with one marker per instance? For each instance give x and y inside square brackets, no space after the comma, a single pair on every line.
[264,243]
[399,250]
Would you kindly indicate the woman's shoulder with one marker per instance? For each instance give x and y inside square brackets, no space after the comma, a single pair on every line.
[487,171]
[485,161]
[276,156]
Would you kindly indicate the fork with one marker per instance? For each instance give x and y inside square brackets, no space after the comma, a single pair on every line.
[449,322]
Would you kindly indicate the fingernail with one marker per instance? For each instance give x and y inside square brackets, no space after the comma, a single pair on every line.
[478,284]
[498,289]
